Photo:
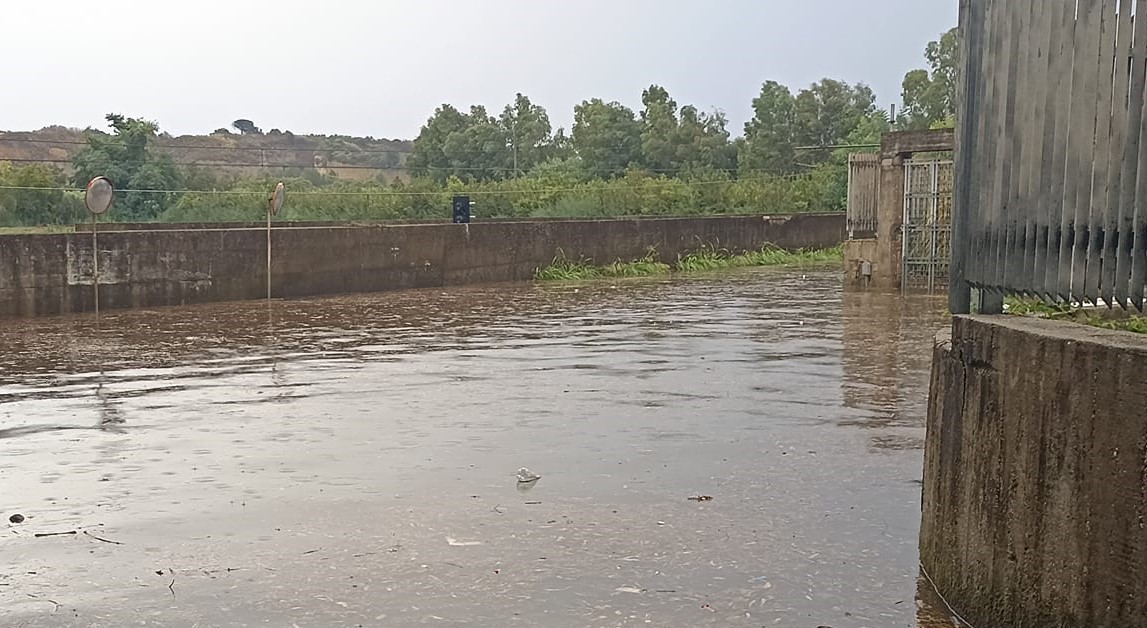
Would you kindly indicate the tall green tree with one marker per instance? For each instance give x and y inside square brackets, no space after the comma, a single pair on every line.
[768,142]
[675,140]
[476,146]
[826,112]
[833,175]
[607,137]
[561,146]
[702,142]
[531,137]
[125,157]
[480,151]
[930,95]
[659,129]
[428,157]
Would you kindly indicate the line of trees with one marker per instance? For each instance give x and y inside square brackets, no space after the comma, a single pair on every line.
[665,158]
[609,139]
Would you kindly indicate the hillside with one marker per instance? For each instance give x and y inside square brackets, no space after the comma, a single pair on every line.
[223,152]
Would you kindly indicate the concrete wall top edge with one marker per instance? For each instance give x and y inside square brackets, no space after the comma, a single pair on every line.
[944,337]
[1058,330]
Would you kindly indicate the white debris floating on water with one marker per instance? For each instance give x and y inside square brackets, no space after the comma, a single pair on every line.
[525,476]
[453,542]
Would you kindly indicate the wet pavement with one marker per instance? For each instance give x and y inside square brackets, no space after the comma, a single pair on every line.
[351,461]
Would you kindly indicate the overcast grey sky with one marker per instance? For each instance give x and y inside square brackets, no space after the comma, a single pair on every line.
[380,67]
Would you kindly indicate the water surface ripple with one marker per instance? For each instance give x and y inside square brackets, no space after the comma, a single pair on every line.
[351,461]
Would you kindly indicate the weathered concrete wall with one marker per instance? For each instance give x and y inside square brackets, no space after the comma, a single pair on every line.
[1035,480]
[904,144]
[856,252]
[52,274]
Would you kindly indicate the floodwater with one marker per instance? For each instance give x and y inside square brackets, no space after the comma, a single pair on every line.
[351,461]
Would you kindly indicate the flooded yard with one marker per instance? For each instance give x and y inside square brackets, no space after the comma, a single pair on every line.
[738,449]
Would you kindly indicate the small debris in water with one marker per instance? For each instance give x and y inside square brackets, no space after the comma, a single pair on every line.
[100,538]
[16,518]
[525,476]
[44,534]
[456,543]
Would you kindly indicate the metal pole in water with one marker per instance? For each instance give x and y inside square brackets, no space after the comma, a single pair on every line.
[96,266]
[274,204]
[268,254]
[98,198]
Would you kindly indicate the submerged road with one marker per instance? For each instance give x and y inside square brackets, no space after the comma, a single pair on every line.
[351,461]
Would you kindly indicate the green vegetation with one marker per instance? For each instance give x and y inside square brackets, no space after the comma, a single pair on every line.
[37,230]
[1136,324]
[124,157]
[31,200]
[666,159]
[1103,318]
[704,259]
[930,95]
[567,270]
[1030,306]
[714,259]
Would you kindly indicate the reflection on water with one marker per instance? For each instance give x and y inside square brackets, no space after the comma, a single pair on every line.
[887,346]
[352,460]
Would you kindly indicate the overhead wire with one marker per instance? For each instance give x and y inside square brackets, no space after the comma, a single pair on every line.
[224,164]
[353,147]
[199,164]
[319,151]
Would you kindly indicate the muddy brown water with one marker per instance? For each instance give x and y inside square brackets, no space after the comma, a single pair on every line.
[351,461]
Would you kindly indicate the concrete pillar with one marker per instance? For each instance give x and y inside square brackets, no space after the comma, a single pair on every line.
[890,218]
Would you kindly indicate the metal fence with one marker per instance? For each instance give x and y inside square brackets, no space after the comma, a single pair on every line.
[863,194]
[1051,172]
[927,223]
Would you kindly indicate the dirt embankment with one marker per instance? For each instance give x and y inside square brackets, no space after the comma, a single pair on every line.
[224,152]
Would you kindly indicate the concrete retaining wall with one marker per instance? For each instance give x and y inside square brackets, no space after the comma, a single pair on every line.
[856,253]
[52,274]
[1035,480]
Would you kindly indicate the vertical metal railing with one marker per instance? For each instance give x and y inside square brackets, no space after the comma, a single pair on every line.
[863,194]
[1051,152]
[926,230]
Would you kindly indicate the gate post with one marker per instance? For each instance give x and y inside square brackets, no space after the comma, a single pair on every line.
[890,218]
